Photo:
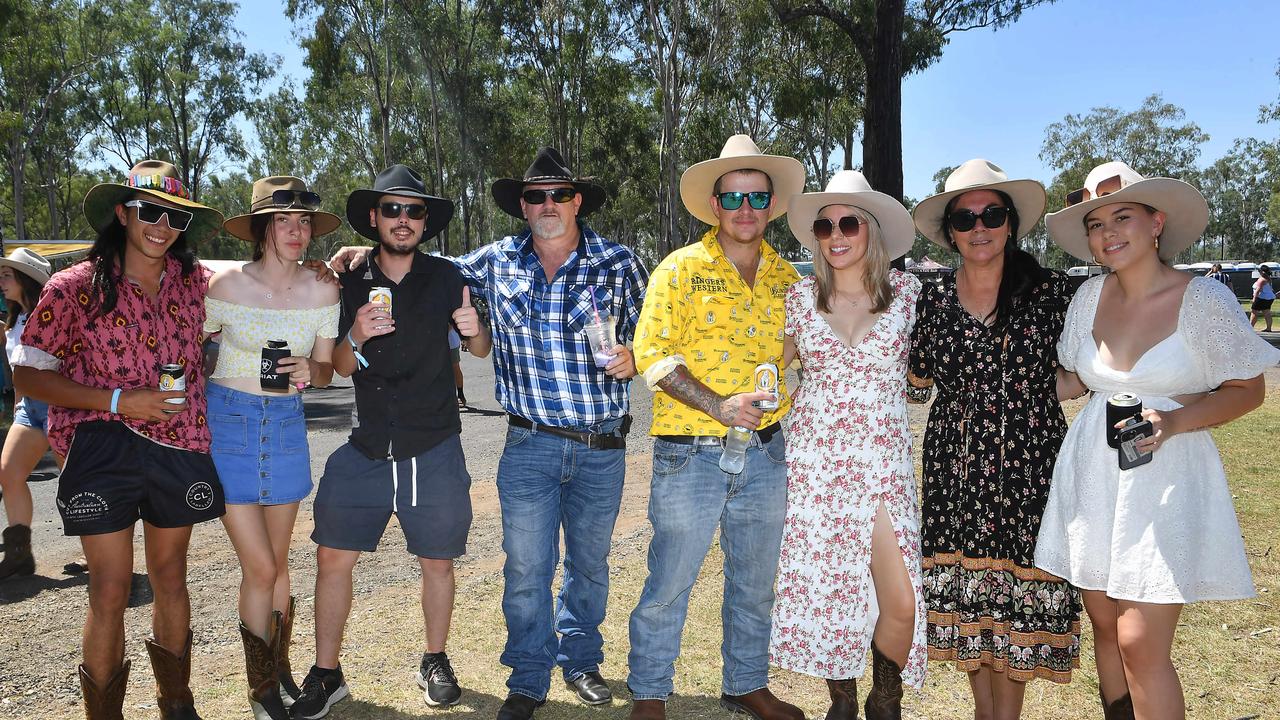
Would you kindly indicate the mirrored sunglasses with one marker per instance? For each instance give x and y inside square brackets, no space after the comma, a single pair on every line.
[964,220]
[150,213]
[758,200]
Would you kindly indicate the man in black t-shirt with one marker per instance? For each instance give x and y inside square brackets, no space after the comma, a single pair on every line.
[404,455]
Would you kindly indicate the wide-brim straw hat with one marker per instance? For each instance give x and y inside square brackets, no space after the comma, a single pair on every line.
[1185,209]
[850,187]
[397,180]
[740,152]
[262,202]
[157,179]
[29,263]
[1028,196]
[547,168]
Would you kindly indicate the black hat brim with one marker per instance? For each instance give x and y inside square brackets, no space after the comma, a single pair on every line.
[506,195]
[360,202]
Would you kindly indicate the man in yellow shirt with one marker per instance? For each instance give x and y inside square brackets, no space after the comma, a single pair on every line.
[713,311]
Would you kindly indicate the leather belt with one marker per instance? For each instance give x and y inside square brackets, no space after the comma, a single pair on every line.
[615,441]
[765,434]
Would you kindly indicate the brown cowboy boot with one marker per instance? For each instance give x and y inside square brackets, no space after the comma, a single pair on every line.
[844,699]
[1119,709]
[104,702]
[173,681]
[289,690]
[261,663]
[18,559]
[884,702]
[648,710]
[761,705]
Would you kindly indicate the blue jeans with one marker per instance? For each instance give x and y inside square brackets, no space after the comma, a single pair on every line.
[547,482]
[689,498]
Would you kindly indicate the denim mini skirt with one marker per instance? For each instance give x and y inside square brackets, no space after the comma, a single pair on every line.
[32,413]
[259,446]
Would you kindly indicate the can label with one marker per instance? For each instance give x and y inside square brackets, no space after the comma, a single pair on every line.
[381,295]
[766,377]
[173,378]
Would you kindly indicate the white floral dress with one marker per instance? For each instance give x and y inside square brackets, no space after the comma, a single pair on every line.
[848,452]
[1166,531]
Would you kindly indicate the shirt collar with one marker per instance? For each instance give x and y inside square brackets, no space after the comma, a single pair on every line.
[591,247]
[172,266]
[711,244]
[420,263]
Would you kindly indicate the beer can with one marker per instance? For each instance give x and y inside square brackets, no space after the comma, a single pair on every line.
[1121,406]
[766,377]
[173,377]
[381,295]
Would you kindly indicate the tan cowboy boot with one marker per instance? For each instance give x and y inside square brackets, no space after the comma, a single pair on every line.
[173,681]
[884,702]
[104,702]
[261,664]
[844,699]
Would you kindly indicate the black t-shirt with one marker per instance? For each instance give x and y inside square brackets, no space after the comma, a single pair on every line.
[405,400]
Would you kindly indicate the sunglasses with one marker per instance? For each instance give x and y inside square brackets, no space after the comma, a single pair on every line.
[538,196]
[758,200]
[964,220]
[415,211]
[303,198]
[150,213]
[848,226]
[1106,187]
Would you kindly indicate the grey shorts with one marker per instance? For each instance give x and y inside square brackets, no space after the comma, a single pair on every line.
[430,494]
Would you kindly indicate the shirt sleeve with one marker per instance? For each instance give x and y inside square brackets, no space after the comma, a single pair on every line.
[920,355]
[474,267]
[1078,321]
[793,308]
[661,324]
[1225,346]
[634,282]
[347,313]
[329,324]
[213,319]
[53,326]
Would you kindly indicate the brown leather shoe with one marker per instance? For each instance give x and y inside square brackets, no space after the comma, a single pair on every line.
[761,705]
[648,710]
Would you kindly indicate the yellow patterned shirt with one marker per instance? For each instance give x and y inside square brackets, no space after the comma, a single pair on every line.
[699,313]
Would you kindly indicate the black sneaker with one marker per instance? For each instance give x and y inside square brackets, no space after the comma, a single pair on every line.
[321,689]
[436,678]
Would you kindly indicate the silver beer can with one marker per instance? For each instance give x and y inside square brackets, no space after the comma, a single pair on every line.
[173,378]
[766,377]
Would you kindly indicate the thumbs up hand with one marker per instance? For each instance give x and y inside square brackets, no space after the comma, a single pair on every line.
[465,318]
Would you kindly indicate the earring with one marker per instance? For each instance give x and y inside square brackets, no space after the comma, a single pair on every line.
[1157,243]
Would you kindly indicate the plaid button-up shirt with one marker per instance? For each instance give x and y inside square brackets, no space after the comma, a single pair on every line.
[541,358]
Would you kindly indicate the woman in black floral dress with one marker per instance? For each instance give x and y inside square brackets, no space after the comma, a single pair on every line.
[986,338]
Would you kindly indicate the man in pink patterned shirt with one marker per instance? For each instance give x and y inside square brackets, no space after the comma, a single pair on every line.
[93,349]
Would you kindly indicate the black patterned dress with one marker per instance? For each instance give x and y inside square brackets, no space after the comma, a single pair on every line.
[993,435]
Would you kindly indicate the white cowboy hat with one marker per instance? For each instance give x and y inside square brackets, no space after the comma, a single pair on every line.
[849,187]
[1185,209]
[1028,198]
[740,153]
[29,263]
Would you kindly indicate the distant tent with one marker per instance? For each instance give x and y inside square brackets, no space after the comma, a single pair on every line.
[928,264]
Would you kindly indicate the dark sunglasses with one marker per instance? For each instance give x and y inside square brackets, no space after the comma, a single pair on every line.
[848,226]
[964,220]
[537,196]
[758,200]
[150,213]
[303,198]
[1106,187]
[415,211]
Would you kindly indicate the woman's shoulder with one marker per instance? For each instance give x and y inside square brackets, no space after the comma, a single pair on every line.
[802,288]
[228,284]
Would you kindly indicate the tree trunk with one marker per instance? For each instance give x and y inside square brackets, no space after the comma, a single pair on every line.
[882,126]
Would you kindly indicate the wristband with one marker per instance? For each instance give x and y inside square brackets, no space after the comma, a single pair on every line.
[115,399]
[355,350]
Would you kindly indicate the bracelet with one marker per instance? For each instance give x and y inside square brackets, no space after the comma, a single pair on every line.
[115,399]
[355,350]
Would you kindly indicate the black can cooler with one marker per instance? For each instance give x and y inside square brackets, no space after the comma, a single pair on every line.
[268,377]
[1121,406]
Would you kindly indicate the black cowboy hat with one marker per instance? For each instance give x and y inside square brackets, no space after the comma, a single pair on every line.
[397,180]
[548,167]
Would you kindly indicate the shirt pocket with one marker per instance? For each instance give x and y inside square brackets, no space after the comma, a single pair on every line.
[717,312]
[512,306]
[580,309]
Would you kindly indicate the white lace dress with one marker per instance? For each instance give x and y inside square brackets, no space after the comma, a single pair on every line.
[1164,532]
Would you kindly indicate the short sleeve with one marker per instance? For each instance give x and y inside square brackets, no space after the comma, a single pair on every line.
[1225,346]
[794,305]
[1079,321]
[53,326]
[634,284]
[920,356]
[213,316]
[347,311]
[662,323]
[328,323]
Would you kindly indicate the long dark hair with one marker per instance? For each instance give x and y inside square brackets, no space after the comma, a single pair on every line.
[30,293]
[1021,271]
[107,256]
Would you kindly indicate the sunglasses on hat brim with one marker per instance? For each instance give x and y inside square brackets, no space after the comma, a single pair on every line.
[305,199]
[965,220]
[150,213]
[849,224]
[1112,184]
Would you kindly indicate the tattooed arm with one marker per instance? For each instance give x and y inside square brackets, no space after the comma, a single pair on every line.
[733,410]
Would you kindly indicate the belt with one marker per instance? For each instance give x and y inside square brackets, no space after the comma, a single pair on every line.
[594,441]
[765,434]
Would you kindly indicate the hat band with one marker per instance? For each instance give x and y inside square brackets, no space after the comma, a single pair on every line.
[166,184]
[550,178]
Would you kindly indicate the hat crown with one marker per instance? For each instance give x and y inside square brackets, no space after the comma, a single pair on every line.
[548,165]
[158,176]
[973,173]
[740,146]
[262,189]
[399,177]
[848,181]
[1108,170]
[31,259]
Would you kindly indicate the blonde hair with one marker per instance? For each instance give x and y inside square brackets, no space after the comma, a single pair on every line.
[875,275]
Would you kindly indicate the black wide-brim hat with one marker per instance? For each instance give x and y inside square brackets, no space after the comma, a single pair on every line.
[399,180]
[547,168]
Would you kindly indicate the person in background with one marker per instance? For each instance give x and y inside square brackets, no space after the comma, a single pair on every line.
[1263,296]
[1215,273]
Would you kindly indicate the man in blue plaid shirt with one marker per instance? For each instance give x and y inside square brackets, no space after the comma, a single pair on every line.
[564,459]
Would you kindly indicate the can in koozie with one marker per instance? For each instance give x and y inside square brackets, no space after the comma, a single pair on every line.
[268,378]
[173,378]
[1121,406]
[766,377]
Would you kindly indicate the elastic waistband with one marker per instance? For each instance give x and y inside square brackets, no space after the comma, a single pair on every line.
[240,397]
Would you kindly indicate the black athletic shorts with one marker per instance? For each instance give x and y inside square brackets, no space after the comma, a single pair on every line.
[1261,305]
[113,476]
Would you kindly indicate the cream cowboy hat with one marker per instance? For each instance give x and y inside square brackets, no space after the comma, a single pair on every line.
[1028,198]
[1185,209]
[740,153]
[283,193]
[29,263]
[849,187]
[157,179]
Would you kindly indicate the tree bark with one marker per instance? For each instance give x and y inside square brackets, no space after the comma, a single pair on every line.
[882,128]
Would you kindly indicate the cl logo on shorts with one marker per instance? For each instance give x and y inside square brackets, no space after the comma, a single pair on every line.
[200,496]
[84,506]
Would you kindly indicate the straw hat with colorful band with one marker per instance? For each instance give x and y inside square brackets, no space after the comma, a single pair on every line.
[740,153]
[399,180]
[1028,198]
[1185,209]
[548,167]
[849,187]
[283,193]
[157,179]
[29,263]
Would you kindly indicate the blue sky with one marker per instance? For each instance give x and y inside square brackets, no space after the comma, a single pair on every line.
[992,94]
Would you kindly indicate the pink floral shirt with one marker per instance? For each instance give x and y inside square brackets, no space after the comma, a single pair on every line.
[125,347]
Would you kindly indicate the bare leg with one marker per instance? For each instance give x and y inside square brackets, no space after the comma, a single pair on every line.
[166,550]
[437,601]
[984,703]
[895,595]
[103,643]
[1145,636]
[1008,695]
[333,601]
[247,527]
[1104,614]
[1266,314]
[23,448]
[280,521]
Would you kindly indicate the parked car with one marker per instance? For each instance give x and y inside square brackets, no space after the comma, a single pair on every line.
[805,268]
